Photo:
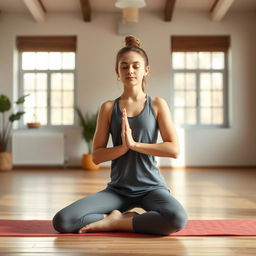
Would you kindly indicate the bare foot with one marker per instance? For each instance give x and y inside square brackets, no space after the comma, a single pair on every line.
[106,224]
[129,214]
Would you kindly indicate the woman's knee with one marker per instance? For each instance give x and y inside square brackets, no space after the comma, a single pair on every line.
[62,223]
[174,222]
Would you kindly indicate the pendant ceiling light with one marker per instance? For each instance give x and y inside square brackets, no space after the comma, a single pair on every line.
[130,9]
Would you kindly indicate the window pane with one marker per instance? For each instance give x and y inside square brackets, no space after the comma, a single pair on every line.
[217,81]
[191,60]
[61,87]
[179,116]
[41,99]
[190,116]
[68,60]
[29,81]
[41,81]
[28,60]
[68,99]
[56,116]
[199,96]
[179,81]
[30,100]
[191,81]
[28,116]
[204,60]
[178,60]
[191,98]
[41,60]
[56,81]
[56,99]
[217,114]
[206,115]
[205,81]
[68,116]
[54,60]
[205,99]
[179,99]
[217,98]
[68,81]
[218,60]
[41,115]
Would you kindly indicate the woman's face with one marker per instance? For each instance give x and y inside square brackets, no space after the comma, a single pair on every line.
[131,68]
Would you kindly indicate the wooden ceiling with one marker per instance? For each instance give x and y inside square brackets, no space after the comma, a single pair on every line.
[216,9]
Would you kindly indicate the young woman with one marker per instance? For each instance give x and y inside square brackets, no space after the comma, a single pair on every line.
[133,120]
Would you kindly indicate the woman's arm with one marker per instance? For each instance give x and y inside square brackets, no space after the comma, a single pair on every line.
[169,147]
[106,154]
[100,152]
[164,149]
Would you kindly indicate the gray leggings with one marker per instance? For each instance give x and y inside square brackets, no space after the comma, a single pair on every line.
[164,214]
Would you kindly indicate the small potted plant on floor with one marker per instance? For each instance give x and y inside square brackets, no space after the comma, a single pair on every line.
[88,124]
[5,105]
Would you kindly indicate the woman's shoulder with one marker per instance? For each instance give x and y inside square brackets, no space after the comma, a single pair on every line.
[107,108]
[158,104]
[158,100]
[108,104]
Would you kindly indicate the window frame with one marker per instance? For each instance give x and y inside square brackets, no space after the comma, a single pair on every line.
[198,71]
[21,124]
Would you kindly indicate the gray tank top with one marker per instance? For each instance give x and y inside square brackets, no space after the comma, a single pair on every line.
[134,173]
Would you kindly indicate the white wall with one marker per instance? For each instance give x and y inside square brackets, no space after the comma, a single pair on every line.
[98,44]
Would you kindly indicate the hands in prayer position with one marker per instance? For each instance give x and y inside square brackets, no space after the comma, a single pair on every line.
[126,133]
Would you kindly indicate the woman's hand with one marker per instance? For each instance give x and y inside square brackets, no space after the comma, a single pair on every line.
[126,131]
[124,144]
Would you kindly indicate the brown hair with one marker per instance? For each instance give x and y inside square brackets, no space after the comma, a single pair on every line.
[133,44]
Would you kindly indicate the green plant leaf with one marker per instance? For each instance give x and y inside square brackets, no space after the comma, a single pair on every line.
[16,116]
[5,103]
[21,99]
[88,124]
[81,118]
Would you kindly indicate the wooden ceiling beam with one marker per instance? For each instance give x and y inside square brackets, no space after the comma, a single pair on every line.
[86,10]
[36,9]
[220,8]
[42,5]
[169,9]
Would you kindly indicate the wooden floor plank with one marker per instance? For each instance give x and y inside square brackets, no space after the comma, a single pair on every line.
[205,193]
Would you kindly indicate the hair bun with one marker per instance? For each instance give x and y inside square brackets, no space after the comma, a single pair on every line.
[132,41]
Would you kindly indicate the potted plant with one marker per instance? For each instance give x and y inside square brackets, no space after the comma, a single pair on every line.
[88,124]
[5,105]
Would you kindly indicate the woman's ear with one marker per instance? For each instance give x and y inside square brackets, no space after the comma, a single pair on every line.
[147,70]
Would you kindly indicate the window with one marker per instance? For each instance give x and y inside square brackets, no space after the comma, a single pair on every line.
[47,74]
[200,81]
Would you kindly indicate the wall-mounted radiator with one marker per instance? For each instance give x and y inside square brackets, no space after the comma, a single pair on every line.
[35,148]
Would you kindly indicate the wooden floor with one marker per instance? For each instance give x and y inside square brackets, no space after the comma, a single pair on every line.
[205,193]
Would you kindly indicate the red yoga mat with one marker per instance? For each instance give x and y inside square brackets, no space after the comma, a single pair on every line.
[193,228]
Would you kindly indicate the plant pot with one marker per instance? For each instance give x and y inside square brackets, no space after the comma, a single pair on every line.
[33,125]
[88,164]
[5,161]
